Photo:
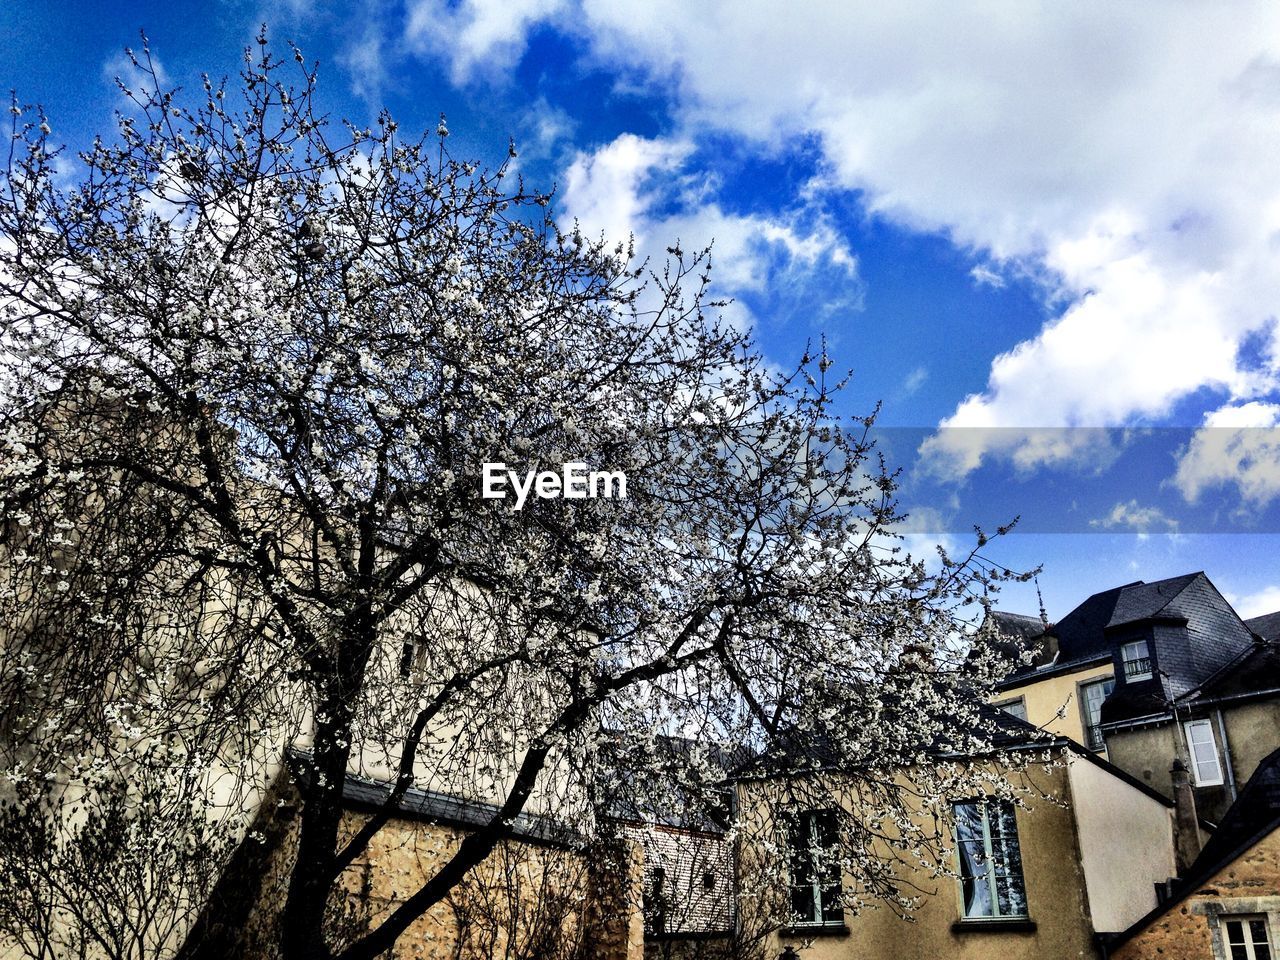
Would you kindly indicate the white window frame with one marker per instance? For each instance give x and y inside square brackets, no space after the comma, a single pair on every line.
[1125,660]
[1199,733]
[1249,944]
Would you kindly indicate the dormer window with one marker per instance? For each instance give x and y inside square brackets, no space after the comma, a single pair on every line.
[1135,659]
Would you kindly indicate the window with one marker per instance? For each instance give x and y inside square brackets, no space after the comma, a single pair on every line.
[813,846]
[1247,938]
[1015,708]
[1091,697]
[1136,659]
[408,654]
[990,865]
[655,902]
[1204,753]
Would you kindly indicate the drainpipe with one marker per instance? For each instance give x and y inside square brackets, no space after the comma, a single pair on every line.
[1186,825]
[1226,755]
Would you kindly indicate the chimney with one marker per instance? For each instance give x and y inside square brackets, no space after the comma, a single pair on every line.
[1186,825]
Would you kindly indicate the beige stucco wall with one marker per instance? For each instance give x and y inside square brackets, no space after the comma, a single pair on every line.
[1126,844]
[1148,752]
[1045,698]
[1253,731]
[1192,928]
[1057,903]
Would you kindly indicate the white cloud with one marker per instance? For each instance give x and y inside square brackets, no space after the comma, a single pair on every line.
[984,276]
[1131,516]
[915,380]
[953,452]
[1124,153]
[477,35]
[364,58]
[1249,605]
[121,68]
[1237,446]
[641,187]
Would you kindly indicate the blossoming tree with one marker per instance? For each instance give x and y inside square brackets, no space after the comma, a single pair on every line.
[252,366]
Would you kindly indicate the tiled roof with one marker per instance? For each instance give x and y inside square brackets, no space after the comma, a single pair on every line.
[1266,626]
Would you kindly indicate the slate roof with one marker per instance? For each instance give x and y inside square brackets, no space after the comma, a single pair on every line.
[418,804]
[1266,626]
[1018,625]
[1253,816]
[1254,671]
[361,793]
[1195,632]
[1080,638]
[662,785]
[1081,633]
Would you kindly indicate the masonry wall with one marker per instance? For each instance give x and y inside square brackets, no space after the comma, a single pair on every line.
[695,895]
[1193,928]
[525,901]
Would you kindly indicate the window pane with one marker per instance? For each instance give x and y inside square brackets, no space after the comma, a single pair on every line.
[1235,932]
[1204,752]
[1258,931]
[831,909]
[1015,708]
[977,896]
[1136,658]
[968,822]
[1010,896]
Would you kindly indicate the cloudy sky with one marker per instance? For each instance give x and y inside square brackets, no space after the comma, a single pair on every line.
[1044,236]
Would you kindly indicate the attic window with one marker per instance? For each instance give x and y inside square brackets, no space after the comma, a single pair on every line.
[408,654]
[1135,657]
[1015,708]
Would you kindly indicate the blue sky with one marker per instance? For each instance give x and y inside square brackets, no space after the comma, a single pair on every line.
[1015,221]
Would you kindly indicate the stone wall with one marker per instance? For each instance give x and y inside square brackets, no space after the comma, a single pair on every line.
[525,901]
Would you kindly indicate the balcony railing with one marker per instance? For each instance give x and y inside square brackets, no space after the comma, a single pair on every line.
[1138,668]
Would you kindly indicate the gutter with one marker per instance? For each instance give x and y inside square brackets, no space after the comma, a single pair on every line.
[1055,670]
[1234,697]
